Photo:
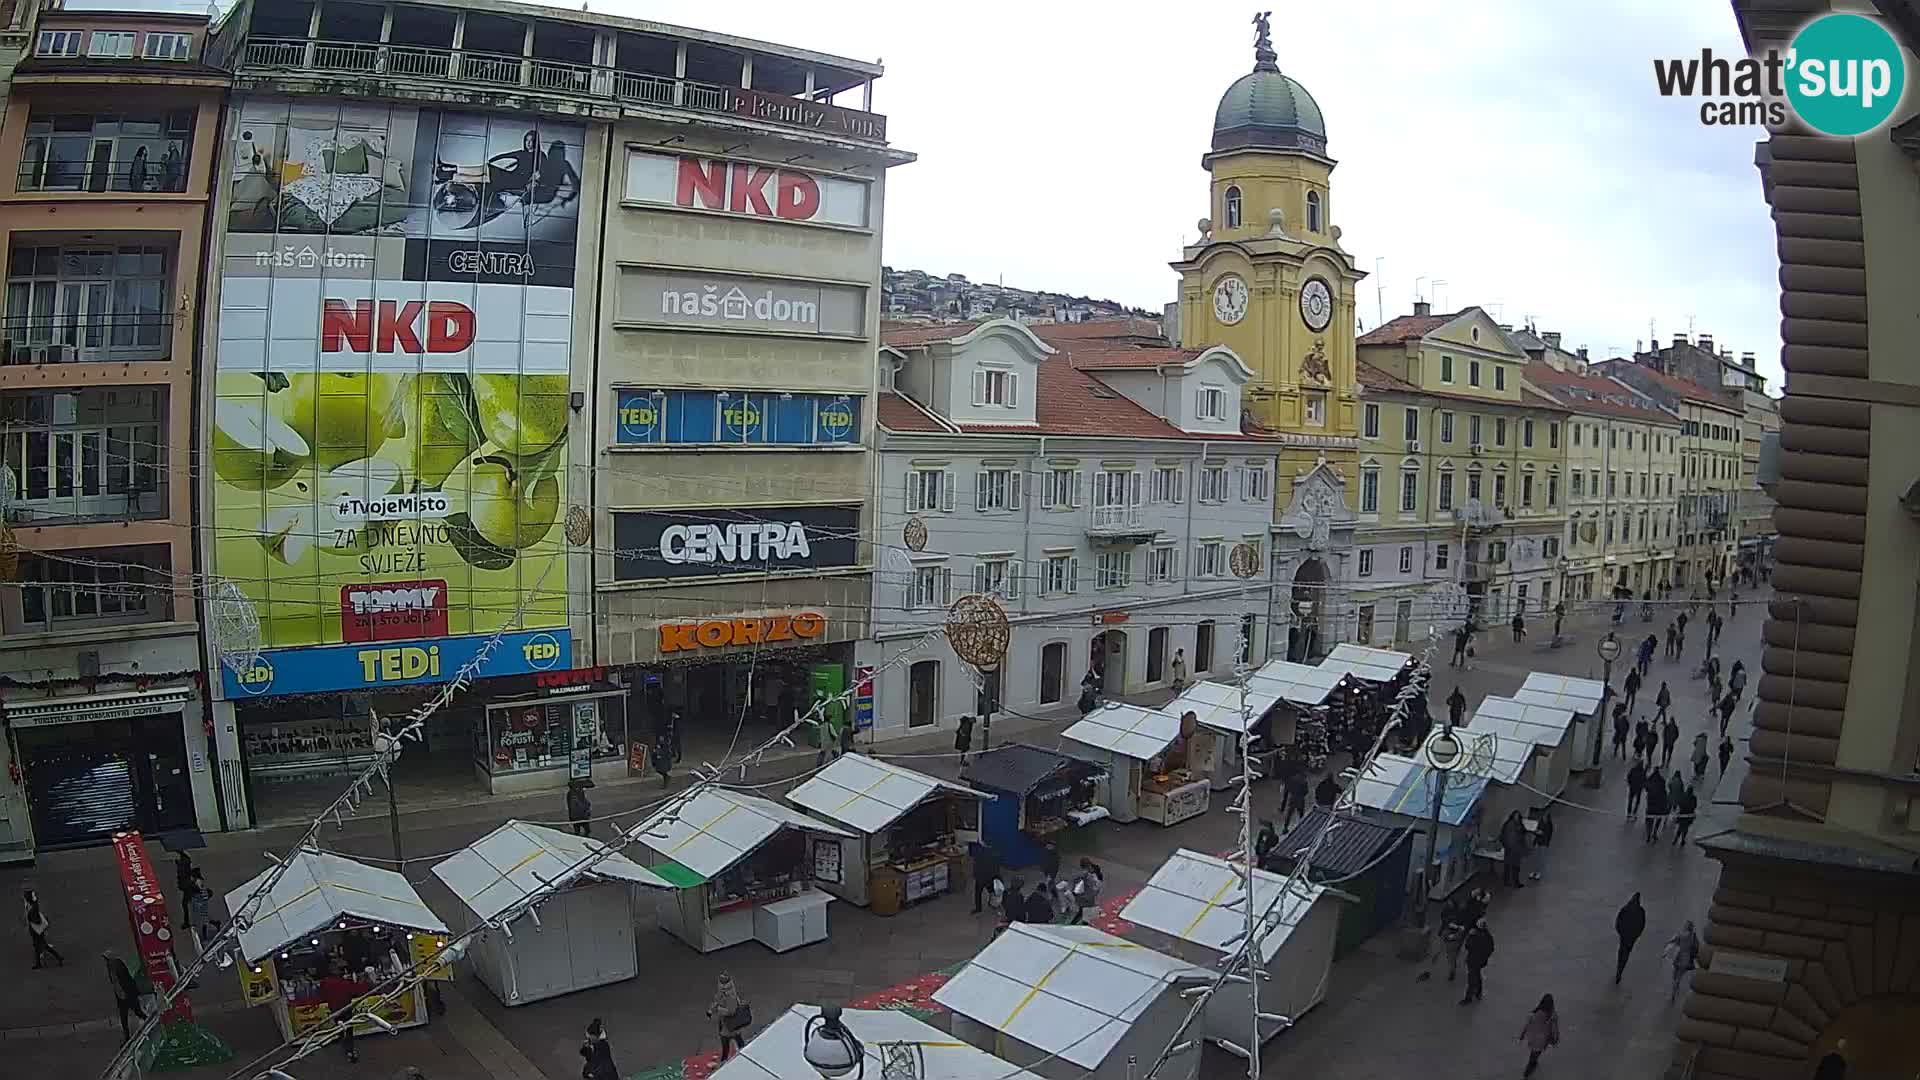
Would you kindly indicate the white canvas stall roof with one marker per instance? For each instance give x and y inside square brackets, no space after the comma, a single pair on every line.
[1072,991]
[1362,662]
[1301,684]
[1189,897]
[1546,725]
[776,1053]
[862,793]
[1127,729]
[1401,785]
[319,888]
[1217,705]
[1561,691]
[1496,748]
[518,858]
[717,828]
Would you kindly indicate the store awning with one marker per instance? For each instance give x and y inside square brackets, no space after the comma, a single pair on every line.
[1137,733]
[717,828]
[777,1051]
[1071,991]
[318,889]
[1561,692]
[513,861]
[86,708]
[1362,662]
[1218,706]
[1197,898]
[869,795]
[1298,684]
[1400,785]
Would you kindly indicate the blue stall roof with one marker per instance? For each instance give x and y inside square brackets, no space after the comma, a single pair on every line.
[1401,785]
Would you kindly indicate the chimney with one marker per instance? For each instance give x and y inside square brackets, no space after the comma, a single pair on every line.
[1706,343]
[1552,338]
[1746,360]
[1422,308]
[1583,353]
[1679,340]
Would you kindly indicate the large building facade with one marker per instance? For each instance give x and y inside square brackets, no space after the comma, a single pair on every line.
[111,122]
[1712,434]
[531,349]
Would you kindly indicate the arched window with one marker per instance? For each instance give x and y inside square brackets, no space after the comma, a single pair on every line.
[1313,211]
[1233,208]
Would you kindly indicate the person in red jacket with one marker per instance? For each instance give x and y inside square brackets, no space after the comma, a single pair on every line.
[339,990]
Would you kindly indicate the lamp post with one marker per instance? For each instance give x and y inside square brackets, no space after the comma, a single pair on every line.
[1609,650]
[830,1048]
[1442,753]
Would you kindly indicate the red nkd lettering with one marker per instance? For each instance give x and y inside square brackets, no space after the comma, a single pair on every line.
[705,181]
[749,194]
[392,326]
[797,197]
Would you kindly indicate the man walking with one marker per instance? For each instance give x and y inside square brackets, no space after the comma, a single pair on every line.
[126,993]
[1657,803]
[1513,849]
[1559,617]
[1619,733]
[1633,687]
[579,809]
[1662,701]
[986,869]
[1680,641]
[1726,753]
[1628,924]
[1636,786]
[1673,642]
[1293,799]
[1456,707]
[1462,639]
[37,930]
[1519,628]
[1727,705]
[1669,737]
[1479,949]
[1683,813]
[1700,757]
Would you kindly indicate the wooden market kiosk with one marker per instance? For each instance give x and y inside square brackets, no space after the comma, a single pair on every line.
[1297,729]
[1397,791]
[585,934]
[1215,747]
[328,909]
[742,869]
[1582,697]
[910,830]
[1146,754]
[1037,794]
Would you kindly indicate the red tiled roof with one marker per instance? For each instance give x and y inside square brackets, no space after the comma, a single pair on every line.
[1372,378]
[906,335]
[1375,379]
[1405,328]
[899,414]
[1098,355]
[1143,331]
[1691,391]
[1601,395]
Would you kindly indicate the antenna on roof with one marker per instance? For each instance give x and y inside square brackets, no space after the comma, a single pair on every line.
[1439,290]
[1379,291]
[1416,287]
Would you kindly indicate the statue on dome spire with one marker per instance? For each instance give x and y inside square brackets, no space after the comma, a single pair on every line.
[1264,58]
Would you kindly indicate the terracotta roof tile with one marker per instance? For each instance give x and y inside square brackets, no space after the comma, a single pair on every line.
[1131,328]
[906,335]
[1068,402]
[1405,328]
[899,414]
[1097,355]
[1375,379]
[1593,394]
[1692,391]
[1372,378]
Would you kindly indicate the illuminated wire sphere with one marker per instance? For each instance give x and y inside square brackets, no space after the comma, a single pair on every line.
[914,534]
[977,630]
[579,525]
[233,624]
[7,489]
[9,553]
[1243,560]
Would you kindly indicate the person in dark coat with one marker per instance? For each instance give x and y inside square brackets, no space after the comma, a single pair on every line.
[183,871]
[1662,701]
[1541,1031]
[1542,840]
[1669,738]
[1456,707]
[1266,841]
[37,929]
[579,809]
[1478,949]
[1726,753]
[1513,849]
[1293,798]
[986,868]
[1727,705]
[663,757]
[1628,924]
[1619,733]
[1657,806]
[1039,906]
[598,1054]
[1684,810]
[1636,786]
[1639,734]
[1050,862]
[1327,792]
[1633,686]
[126,993]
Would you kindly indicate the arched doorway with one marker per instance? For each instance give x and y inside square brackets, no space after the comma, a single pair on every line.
[1108,656]
[1308,602]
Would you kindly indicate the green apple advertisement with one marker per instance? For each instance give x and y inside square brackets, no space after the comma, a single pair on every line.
[389,431]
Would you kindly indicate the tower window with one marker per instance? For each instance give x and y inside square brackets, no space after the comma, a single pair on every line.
[1313,211]
[1233,208]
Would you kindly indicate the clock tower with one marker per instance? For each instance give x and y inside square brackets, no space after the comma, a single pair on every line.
[1268,277]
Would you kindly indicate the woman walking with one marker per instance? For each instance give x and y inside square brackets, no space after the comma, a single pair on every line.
[1542,1030]
[598,1054]
[734,1016]
[1682,952]
[1700,757]
[37,930]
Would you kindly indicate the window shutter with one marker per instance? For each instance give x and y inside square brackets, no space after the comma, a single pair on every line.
[980,490]
[946,585]
[979,577]
[1073,574]
[1179,485]
[1013,389]
[1016,479]
[1014,570]
[913,491]
[1133,489]
[979,386]
[946,490]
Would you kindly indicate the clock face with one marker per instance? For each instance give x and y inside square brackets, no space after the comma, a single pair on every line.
[1230,300]
[1316,304]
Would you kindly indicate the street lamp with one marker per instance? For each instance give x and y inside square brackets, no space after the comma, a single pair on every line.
[831,1048]
[1442,752]
[1609,650]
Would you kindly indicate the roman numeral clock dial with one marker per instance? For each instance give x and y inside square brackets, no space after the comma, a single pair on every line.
[1230,300]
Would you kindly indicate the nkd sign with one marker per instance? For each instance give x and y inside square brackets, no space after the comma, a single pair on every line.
[746,540]
[746,188]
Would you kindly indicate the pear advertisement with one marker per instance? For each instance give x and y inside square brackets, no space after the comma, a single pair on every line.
[389,432]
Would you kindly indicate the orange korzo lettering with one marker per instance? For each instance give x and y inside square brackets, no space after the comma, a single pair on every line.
[677,636]
[782,628]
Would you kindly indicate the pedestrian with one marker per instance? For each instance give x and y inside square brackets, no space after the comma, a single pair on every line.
[1327,791]
[663,758]
[1683,814]
[1039,903]
[37,929]
[199,919]
[1456,707]
[126,992]
[1050,860]
[1462,638]
[1479,949]
[1673,641]
[1633,686]
[1628,924]
[1541,1030]
[1647,645]
[1455,918]
[1727,705]
[1737,676]
[675,727]
[1519,628]
[183,871]
[1293,796]
[1619,733]
[1682,952]
[1179,671]
[986,870]
[1656,789]
[1733,603]
[1669,738]
[1266,841]
[1559,617]
[1834,1065]
[1700,757]
[1513,848]
[579,808]
[1636,786]
[1680,623]
[340,990]
[1662,701]
[1542,840]
[1675,785]
[1640,732]
[1086,890]
[598,1054]
[732,1015]
[1726,753]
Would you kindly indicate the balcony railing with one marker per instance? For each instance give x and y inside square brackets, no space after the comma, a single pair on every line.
[79,339]
[557,77]
[135,175]
[101,472]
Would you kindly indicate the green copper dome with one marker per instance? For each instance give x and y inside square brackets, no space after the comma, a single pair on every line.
[1265,109]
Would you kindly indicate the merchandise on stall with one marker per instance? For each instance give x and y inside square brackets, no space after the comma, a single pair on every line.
[1199,900]
[585,934]
[1307,693]
[742,869]
[911,830]
[1038,795]
[330,915]
[1146,753]
[1225,724]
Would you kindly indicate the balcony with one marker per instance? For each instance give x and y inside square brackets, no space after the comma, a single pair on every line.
[94,304]
[462,69]
[98,588]
[1120,525]
[72,457]
[109,339]
[1479,515]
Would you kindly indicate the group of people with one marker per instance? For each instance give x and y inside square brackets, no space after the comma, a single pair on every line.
[729,1009]
[1665,796]
[1682,951]
[1051,899]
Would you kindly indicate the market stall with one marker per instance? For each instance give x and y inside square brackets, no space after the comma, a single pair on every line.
[742,869]
[1199,900]
[1071,1001]
[585,934]
[559,731]
[1547,730]
[330,914]
[1368,664]
[1582,697]
[1037,795]
[1299,727]
[910,830]
[1367,859]
[777,1051]
[1397,792]
[1225,724]
[1145,753]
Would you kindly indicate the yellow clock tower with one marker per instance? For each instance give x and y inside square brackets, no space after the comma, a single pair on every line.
[1268,277]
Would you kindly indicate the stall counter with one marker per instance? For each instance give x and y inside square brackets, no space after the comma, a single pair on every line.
[1173,803]
[791,923]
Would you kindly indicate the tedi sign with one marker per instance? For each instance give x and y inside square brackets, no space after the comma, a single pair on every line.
[1843,76]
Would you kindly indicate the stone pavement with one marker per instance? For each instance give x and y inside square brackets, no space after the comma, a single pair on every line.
[1555,936]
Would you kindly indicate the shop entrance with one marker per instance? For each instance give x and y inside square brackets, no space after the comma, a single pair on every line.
[299,749]
[735,703]
[1308,600]
[1110,660]
[87,781]
[923,693]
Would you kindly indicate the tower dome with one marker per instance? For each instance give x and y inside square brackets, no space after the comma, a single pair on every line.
[1265,109]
